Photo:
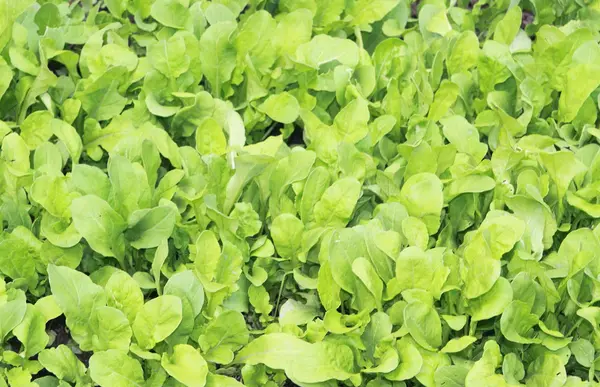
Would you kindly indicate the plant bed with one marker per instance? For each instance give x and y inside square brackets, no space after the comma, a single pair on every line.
[311,193]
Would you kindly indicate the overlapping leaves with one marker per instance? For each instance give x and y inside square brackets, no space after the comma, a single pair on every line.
[437,226]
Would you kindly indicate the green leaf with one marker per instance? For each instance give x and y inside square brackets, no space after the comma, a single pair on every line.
[416,269]
[287,231]
[482,254]
[186,365]
[281,107]
[157,319]
[411,361]
[124,293]
[208,252]
[223,335]
[337,203]
[124,197]
[464,54]
[48,307]
[547,370]
[170,13]
[367,11]
[424,325]
[69,137]
[317,182]
[6,74]
[11,10]
[210,138]
[363,269]
[493,302]
[464,136]
[101,99]
[297,313]
[116,7]
[422,194]
[149,227]
[351,122]
[444,98]
[219,54]
[581,80]
[115,368]
[451,376]
[507,28]
[415,232]
[169,56]
[295,356]
[517,322]
[512,368]
[15,154]
[48,16]
[378,329]
[32,331]
[186,286]
[108,328]
[583,351]
[562,167]
[36,128]
[53,194]
[433,21]
[328,289]
[18,256]
[13,313]
[100,225]
[75,293]
[229,266]
[324,49]
[458,344]
[160,256]
[24,60]
[63,363]
[485,368]
[89,180]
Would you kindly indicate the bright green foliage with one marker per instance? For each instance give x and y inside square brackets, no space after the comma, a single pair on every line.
[321,193]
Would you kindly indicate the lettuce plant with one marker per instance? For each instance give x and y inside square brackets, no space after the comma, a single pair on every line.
[320,193]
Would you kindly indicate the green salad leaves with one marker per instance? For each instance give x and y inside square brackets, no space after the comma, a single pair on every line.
[321,193]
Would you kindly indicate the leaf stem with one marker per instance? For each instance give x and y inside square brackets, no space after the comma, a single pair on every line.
[575,326]
[358,35]
[280,293]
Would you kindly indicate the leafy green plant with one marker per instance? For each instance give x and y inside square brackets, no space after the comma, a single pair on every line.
[377,193]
